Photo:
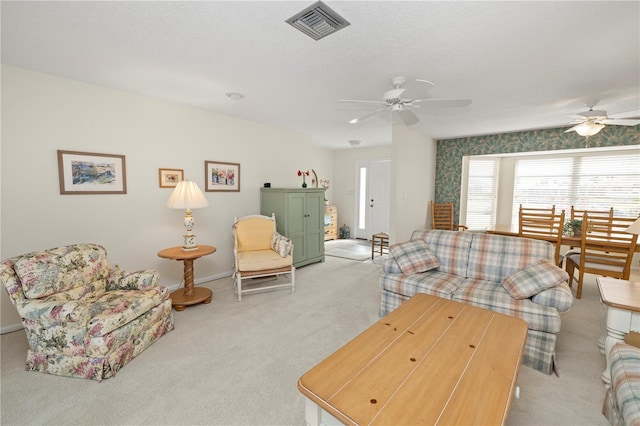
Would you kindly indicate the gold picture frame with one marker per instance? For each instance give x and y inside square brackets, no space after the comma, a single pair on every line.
[85,173]
[169,178]
[221,177]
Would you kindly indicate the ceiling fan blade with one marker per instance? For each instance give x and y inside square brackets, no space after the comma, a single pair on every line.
[408,117]
[362,101]
[628,114]
[444,102]
[393,94]
[621,121]
[572,129]
[427,82]
[359,119]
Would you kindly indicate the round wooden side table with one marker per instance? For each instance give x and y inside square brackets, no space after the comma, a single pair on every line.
[190,295]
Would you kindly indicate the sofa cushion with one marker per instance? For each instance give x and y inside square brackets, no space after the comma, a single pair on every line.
[261,260]
[414,256]
[492,296]
[432,282]
[450,247]
[494,257]
[47,272]
[536,277]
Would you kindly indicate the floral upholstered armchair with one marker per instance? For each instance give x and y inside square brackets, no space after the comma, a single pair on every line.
[83,318]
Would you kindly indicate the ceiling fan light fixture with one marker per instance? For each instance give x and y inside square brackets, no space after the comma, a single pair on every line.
[589,129]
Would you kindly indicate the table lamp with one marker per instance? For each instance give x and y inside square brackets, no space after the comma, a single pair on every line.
[187,195]
[634,228]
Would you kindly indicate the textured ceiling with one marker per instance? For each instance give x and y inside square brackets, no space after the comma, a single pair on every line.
[525,65]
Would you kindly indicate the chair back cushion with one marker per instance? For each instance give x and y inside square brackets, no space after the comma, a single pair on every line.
[59,269]
[254,233]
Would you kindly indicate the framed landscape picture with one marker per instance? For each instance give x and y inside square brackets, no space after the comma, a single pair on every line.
[91,173]
[220,176]
[169,178]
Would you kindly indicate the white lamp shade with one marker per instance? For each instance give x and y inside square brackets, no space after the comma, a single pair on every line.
[634,228]
[589,129]
[187,195]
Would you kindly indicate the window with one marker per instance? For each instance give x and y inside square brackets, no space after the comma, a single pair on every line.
[585,181]
[482,189]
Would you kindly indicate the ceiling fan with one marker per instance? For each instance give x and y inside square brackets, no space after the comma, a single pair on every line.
[589,123]
[394,103]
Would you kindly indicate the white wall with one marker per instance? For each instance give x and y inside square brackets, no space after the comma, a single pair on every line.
[42,113]
[413,181]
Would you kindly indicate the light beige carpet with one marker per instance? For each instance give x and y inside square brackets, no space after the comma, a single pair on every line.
[237,363]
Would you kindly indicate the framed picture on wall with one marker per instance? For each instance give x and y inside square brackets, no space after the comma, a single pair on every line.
[91,173]
[221,177]
[169,178]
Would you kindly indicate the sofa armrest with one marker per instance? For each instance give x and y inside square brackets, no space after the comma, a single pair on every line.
[390,266]
[52,311]
[132,280]
[559,297]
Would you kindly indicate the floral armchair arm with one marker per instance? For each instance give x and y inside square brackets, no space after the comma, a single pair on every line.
[132,280]
[54,311]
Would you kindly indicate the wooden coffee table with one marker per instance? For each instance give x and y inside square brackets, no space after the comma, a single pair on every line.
[431,361]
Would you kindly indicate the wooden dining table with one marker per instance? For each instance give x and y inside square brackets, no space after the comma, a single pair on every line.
[567,240]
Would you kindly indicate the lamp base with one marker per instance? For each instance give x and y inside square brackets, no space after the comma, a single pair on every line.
[189,242]
[191,248]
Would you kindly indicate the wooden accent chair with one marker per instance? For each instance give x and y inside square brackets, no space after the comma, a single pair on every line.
[442,217]
[544,225]
[605,249]
[261,252]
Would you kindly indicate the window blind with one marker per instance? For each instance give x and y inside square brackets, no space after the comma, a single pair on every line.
[482,190]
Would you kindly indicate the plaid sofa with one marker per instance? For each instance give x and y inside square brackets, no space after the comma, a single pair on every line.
[82,318]
[622,401]
[472,267]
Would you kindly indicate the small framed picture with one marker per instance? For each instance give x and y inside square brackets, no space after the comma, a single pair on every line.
[169,178]
[221,177]
[91,173]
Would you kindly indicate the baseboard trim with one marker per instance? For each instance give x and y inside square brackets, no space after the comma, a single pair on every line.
[11,328]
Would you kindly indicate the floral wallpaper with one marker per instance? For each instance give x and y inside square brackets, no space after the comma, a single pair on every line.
[450,151]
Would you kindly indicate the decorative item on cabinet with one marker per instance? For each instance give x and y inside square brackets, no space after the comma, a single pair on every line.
[330,223]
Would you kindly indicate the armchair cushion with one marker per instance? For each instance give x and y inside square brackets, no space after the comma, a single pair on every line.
[414,256]
[534,278]
[262,260]
[281,244]
[60,269]
[255,234]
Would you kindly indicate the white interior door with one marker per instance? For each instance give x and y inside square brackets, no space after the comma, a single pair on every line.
[373,195]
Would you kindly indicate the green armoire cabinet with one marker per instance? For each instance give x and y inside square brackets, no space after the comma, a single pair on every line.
[299,216]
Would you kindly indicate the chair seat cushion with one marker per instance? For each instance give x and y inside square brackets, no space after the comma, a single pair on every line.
[119,307]
[599,262]
[259,260]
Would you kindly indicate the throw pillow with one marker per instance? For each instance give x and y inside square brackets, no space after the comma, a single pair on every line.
[414,256]
[534,278]
[281,244]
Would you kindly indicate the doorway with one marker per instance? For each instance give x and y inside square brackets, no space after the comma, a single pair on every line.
[373,186]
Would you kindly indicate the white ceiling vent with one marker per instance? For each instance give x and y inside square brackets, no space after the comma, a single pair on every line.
[318,21]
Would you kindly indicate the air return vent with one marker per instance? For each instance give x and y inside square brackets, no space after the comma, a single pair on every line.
[318,21]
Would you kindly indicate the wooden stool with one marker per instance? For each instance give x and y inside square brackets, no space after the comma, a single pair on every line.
[381,241]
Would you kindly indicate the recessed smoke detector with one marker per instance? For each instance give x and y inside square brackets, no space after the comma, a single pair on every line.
[235,96]
[354,142]
[318,21]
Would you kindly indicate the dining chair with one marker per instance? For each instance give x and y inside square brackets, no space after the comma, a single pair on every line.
[605,249]
[576,214]
[542,225]
[442,217]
